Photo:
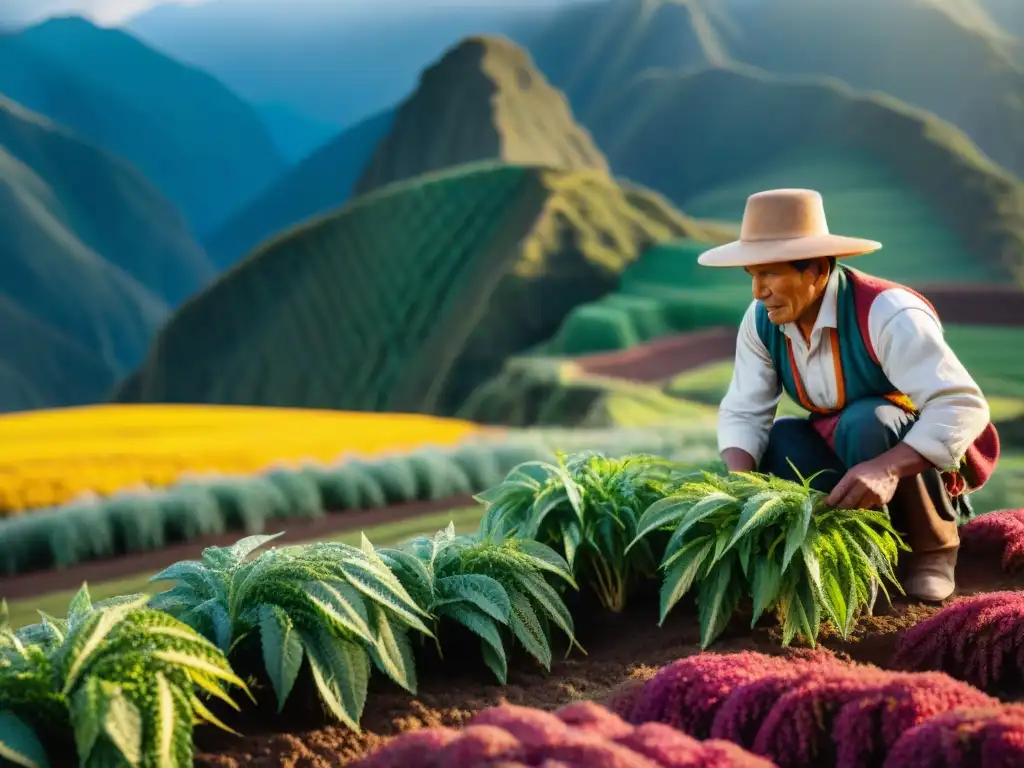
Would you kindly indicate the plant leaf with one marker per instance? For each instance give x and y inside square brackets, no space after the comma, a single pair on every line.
[484,592]
[282,650]
[680,576]
[527,628]
[391,651]
[123,725]
[482,625]
[19,743]
[341,672]
[797,532]
[716,601]
[544,558]
[87,708]
[766,585]
[543,595]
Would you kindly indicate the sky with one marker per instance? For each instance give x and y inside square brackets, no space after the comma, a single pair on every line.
[106,12]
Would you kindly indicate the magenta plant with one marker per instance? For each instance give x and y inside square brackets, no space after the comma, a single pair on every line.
[966,738]
[977,639]
[688,693]
[999,534]
[583,735]
[865,730]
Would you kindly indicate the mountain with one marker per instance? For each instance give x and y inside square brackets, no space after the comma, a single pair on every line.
[205,148]
[482,100]
[91,257]
[323,181]
[313,54]
[887,171]
[409,296]
[945,56]
[591,50]
[296,135]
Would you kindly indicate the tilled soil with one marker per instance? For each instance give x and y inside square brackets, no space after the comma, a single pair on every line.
[620,649]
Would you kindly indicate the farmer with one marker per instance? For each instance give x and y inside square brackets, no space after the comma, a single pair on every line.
[893,413]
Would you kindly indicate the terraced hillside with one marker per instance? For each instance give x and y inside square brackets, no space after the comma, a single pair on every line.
[482,100]
[948,57]
[408,297]
[201,145]
[943,211]
[91,255]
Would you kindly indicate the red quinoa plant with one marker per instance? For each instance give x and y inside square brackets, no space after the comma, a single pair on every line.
[978,639]
[987,737]
[583,735]
[1000,534]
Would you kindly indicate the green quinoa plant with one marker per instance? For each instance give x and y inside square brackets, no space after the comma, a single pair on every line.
[124,681]
[491,588]
[339,607]
[776,541]
[587,506]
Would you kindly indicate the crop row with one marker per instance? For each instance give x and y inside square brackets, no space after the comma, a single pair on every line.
[128,677]
[823,711]
[206,505]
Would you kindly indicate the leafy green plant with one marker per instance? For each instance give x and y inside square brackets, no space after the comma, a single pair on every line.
[776,541]
[119,678]
[337,606]
[491,588]
[588,507]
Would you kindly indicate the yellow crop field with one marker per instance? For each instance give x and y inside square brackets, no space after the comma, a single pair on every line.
[53,456]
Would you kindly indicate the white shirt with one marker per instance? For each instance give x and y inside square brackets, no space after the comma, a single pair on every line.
[907,337]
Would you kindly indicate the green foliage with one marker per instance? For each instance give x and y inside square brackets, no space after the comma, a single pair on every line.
[337,606]
[120,680]
[491,588]
[751,535]
[588,507]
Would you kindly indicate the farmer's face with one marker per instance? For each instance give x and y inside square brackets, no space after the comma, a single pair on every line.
[786,292]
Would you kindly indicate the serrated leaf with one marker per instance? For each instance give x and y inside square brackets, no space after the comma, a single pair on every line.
[766,584]
[123,725]
[662,513]
[484,627]
[80,604]
[342,605]
[716,601]
[282,651]
[494,658]
[527,628]
[341,673]
[87,708]
[391,651]
[758,512]
[484,592]
[164,722]
[542,595]
[88,637]
[572,538]
[797,532]
[544,558]
[19,743]
[681,574]
[382,586]
[811,611]
[199,664]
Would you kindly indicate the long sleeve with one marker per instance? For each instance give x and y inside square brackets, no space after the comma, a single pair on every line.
[747,412]
[916,358]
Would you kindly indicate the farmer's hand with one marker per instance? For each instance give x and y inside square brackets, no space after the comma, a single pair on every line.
[870,485]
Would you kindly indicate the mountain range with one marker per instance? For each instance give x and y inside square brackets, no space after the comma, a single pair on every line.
[204,234]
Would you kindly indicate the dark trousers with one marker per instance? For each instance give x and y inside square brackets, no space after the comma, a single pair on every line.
[921,509]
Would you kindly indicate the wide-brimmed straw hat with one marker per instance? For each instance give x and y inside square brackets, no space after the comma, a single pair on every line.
[784,225]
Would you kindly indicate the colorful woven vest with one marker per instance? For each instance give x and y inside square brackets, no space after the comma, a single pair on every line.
[859,373]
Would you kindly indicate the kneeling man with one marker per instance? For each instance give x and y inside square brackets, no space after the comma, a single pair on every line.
[893,413]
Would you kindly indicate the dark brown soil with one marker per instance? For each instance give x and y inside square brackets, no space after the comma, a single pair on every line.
[624,648]
[97,571]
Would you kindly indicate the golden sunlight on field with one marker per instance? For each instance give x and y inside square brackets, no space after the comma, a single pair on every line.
[50,457]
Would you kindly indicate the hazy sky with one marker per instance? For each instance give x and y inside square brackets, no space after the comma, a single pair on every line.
[102,11]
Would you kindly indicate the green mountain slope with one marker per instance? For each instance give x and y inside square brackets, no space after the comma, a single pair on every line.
[200,144]
[887,171]
[409,296]
[482,100]
[40,367]
[945,56]
[89,257]
[318,184]
[107,205]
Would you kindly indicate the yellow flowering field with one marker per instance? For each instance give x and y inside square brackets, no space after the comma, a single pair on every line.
[50,457]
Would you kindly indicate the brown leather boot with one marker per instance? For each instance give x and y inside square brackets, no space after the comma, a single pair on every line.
[930,575]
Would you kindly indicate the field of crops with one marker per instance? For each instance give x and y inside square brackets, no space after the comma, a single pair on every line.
[51,457]
[595,558]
